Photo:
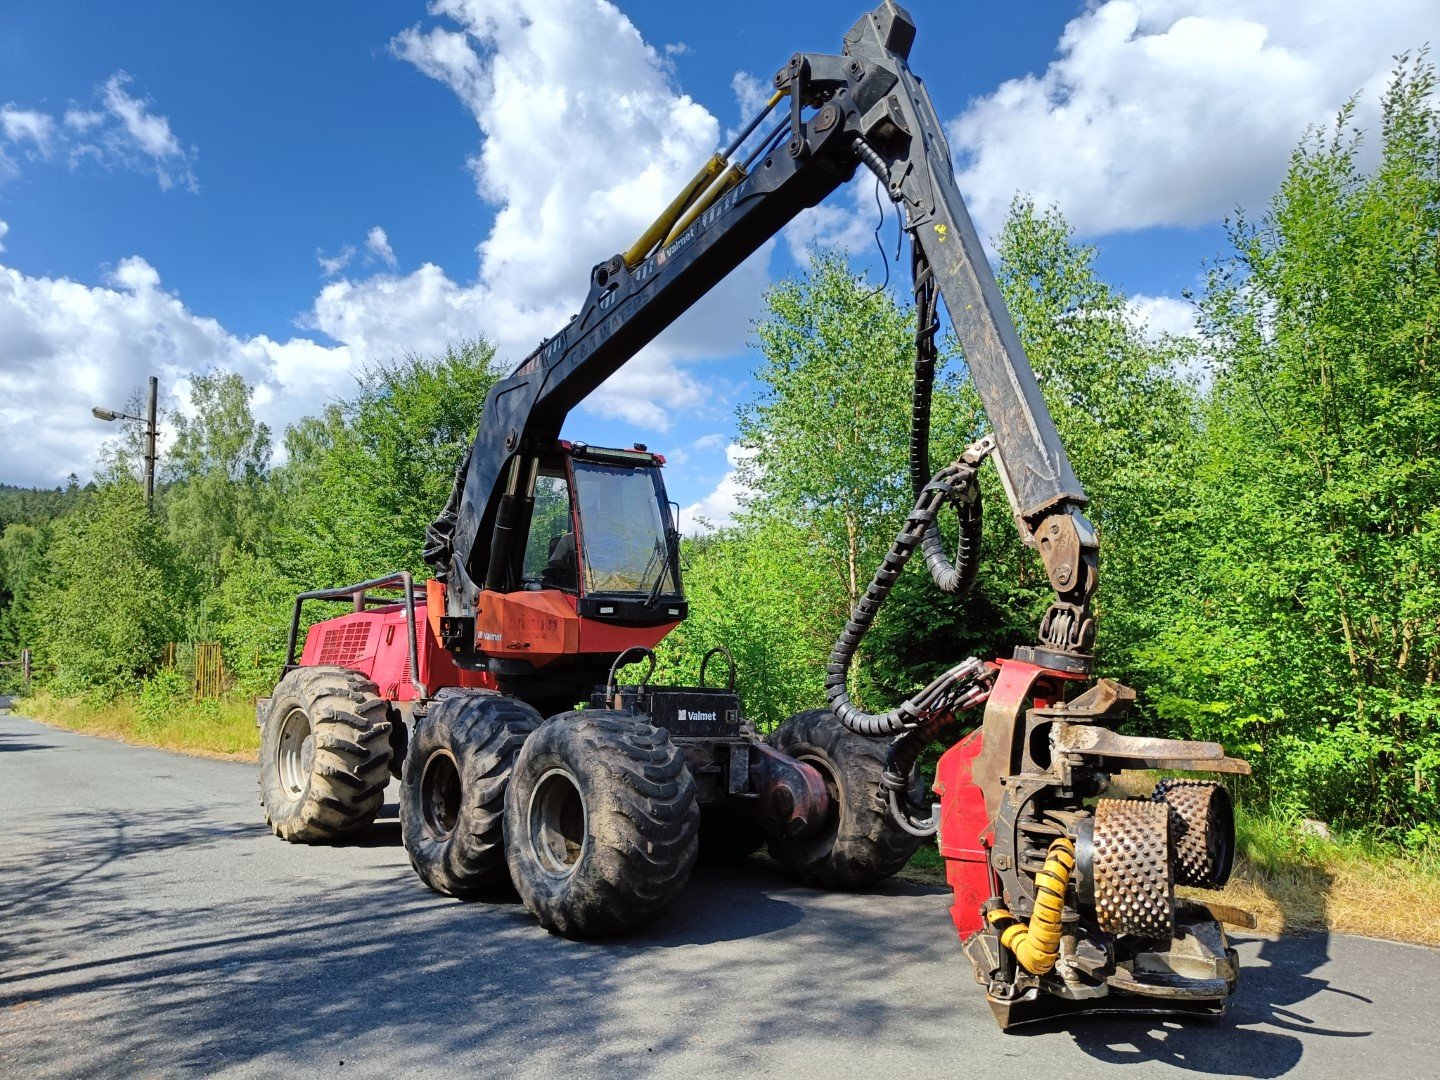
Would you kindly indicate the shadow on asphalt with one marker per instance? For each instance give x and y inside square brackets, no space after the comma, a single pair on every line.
[334,955]
[10,742]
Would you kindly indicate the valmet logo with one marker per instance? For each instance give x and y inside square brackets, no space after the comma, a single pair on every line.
[686,716]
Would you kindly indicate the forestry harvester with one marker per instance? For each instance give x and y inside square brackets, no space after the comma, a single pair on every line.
[492,691]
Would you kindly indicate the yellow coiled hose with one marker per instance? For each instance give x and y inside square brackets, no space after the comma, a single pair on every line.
[1037,945]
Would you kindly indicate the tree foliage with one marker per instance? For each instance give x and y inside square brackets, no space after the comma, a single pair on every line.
[1267,495]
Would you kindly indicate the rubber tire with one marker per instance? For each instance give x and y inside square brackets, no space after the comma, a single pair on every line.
[350,764]
[642,823]
[728,837]
[860,844]
[483,731]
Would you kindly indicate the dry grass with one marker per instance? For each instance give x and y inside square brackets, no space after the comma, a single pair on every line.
[218,729]
[1294,881]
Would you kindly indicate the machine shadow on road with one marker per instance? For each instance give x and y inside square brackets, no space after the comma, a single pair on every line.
[152,925]
[1261,1026]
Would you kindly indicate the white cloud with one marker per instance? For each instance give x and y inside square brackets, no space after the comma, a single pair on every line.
[584,139]
[1161,315]
[122,132]
[65,347]
[28,125]
[751,93]
[330,265]
[1172,112]
[378,244]
[4,228]
[718,510]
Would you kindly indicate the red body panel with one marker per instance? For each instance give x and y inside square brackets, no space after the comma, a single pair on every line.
[966,833]
[544,626]
[375,644]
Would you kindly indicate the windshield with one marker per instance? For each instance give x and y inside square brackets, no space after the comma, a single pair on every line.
[622,527]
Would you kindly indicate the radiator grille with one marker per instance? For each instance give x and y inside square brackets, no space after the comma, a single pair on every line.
[344,645]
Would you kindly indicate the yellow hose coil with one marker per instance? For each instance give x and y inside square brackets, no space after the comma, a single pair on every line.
[1037,945]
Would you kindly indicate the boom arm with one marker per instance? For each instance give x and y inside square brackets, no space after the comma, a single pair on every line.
[864,106]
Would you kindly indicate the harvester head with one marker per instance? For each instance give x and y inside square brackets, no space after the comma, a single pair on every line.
[1065,899]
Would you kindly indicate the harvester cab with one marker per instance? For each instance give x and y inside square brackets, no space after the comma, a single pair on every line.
[556,565]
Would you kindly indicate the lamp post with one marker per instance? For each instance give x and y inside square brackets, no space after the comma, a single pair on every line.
[150,432]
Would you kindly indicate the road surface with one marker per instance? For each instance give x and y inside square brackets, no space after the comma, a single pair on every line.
[150,925]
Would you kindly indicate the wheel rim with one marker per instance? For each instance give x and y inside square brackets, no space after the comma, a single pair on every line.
[295,753]
[826,769]
[558,819]
[440,794]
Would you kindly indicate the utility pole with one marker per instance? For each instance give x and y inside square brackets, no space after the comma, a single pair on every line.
[150,442]
[151,434]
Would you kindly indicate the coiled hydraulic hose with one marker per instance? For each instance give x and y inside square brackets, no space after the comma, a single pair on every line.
[943,695]
[1036,946]
[956,577]
[959,576]
[918,720]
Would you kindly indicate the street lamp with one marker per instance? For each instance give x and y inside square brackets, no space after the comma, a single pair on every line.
[150,432]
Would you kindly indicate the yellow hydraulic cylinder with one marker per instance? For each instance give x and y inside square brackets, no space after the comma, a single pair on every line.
[1037,945]
[661,226]
[728,179]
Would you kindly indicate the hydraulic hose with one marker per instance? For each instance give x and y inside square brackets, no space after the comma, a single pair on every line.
[1036,946]
[951,577]
[959,576]
[943,695]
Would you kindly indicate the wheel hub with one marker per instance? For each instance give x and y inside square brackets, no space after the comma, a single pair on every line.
[558,823]
[295,753]
[440,794]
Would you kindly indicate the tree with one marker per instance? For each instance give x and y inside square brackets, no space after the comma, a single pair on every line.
[365,478]
[215,499]
[112,594]
[827,433]
[1324,478]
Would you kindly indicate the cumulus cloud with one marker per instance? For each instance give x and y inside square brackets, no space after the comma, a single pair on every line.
[65,347]
[1172,112]
[584,138]
[1162,315]
[4,228]
[378,244]
[28,125]
[121,131]
[330,265]
[719,509]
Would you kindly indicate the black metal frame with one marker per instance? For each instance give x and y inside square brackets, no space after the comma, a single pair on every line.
[356,594]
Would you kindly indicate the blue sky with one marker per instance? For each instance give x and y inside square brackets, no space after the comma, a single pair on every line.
[296,190]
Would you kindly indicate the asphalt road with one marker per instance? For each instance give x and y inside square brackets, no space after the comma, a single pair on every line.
[150,925]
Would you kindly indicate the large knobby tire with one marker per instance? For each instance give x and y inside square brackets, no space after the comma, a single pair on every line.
[452,798]
[602,822]
[324,755]
[859,843]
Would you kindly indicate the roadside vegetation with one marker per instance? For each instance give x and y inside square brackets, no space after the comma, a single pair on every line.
[1267,493]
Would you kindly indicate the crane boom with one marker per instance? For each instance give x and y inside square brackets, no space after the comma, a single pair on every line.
[864,106]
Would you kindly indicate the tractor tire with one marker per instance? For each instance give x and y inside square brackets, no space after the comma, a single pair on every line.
[602,821]
[452,799]
[859,844]
[728,837]
[324,755]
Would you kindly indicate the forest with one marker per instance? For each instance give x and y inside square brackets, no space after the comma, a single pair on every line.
[1266,491]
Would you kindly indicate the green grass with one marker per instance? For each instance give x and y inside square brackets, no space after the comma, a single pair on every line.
[223,728]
